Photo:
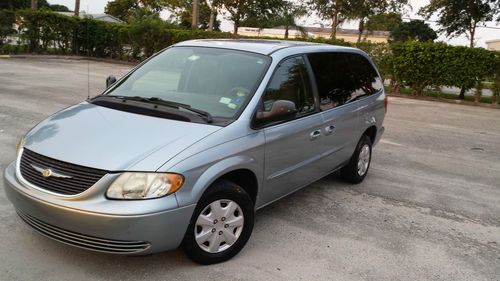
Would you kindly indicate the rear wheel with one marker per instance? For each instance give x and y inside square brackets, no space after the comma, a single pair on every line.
[357,168]
[221,224]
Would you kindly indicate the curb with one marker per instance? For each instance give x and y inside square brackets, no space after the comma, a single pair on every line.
[459,102]
[64,57]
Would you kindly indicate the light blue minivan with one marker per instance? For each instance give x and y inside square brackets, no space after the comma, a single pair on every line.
[185,148]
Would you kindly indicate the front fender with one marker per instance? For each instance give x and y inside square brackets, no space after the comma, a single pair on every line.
[202,169]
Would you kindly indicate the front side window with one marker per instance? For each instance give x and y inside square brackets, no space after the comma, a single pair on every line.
[343,78]
[218,81]
[291,82]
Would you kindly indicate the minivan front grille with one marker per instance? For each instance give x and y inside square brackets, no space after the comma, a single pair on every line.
[57,176]
[82,240]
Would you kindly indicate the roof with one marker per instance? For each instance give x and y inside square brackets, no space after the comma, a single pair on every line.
[261,46]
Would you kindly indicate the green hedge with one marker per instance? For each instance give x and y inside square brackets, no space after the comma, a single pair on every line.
[421,65]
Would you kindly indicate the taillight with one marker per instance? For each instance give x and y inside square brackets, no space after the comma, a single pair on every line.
[386,102]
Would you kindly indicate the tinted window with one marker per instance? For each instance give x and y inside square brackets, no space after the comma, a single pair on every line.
[291,82]
[343,77]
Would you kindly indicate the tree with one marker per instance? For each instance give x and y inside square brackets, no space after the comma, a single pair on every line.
[249,11]
[384,22]
[59,8]
[213,6]
[195,11]
[34,4]
[457,17]
[127,10]
[77,8]
[7,20]
[121,9]
[333,10]
[362,10]
[416,30]
[182,14]
[287,17]
[21,4]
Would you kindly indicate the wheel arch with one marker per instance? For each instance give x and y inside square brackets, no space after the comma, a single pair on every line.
[371,132]
[241,170]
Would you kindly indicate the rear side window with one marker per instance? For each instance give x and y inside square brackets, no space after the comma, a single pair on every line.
[291,82]
[343,77]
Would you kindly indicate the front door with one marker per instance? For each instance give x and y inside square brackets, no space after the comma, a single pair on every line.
[293,147]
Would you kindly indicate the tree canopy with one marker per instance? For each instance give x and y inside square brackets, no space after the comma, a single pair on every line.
[384,22]
[21,4]
[339,11]
[250,12]
[457,17]
[182,13]
[416,30]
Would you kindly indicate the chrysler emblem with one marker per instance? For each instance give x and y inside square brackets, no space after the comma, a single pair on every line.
[47,173]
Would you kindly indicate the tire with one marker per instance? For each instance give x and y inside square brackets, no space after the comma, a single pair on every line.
[209,223]
[353,173]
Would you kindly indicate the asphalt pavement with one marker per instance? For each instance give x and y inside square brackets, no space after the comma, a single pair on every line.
[429,208]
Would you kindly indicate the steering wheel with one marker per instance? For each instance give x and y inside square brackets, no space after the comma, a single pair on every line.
[234,92]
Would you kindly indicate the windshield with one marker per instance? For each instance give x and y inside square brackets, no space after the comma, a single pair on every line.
[218,81]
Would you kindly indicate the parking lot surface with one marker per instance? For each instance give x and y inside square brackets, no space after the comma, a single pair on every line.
[429,208]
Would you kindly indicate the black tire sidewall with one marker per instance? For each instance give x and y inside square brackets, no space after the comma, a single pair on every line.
[220,190]
[350,171]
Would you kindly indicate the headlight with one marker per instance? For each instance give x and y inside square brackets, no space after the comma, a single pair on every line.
[144,185]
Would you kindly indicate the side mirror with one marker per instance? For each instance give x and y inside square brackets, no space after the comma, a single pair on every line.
[110,81]
[281,110]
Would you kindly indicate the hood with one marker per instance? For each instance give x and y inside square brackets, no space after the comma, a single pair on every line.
[103,138]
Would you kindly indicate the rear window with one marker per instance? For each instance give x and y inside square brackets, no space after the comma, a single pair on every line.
[343,77]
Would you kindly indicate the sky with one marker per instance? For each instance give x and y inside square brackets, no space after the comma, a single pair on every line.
[483,34]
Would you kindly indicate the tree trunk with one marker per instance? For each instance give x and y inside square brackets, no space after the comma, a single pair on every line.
[77,8]
[361,29]
[462,93]
[394,86]
[286,31]
[34,4]
[211,21]
[196,14]
[472,34]
[335,23]
[236,25]
[478,93]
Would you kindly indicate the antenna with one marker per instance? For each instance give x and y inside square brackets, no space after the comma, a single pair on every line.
[88,56]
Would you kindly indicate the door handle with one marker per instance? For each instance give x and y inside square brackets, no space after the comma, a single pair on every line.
[315,135]
[330,129]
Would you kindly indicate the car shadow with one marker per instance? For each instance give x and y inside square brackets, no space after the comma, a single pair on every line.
[102,264]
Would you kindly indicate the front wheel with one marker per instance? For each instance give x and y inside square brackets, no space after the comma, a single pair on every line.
[357,168]
[221,224]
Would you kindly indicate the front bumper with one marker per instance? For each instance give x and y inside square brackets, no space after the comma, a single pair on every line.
[141,233]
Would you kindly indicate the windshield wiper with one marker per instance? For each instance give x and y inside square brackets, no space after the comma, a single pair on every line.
[208,116]
[157,100]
